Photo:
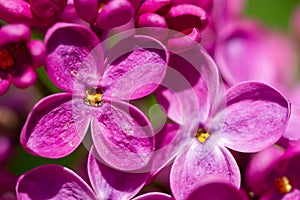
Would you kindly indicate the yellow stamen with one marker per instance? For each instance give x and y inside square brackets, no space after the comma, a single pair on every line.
[283,185]
[202,135]
[94,97]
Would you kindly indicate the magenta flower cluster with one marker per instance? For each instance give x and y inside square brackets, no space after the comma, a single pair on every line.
[164,99]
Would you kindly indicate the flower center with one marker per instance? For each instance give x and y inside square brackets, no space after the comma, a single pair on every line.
[94,97]
[202,135]
[6,59]
[283,185]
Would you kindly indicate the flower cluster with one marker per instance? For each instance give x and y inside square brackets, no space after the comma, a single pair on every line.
[146,100]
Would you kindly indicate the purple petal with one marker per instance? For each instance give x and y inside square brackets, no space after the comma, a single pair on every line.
[109,183]
[216,190]
[122,136]
[109,16]
[184,42]
[136,67]
[68,45]
[256,116]
[189,169]
[87,9]
[292,130]
[12,33]
[55,126]
[26,79]
[155,6]
[186,17]
[15,11]
[48,10]
[259,168]
[154,196]
[199,81]
[37,51]
[52,182]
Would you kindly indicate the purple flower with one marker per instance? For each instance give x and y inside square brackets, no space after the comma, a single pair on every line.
[187,19]
[33,13]
[121,133]
[274,175]
[18,56]
[247,51]
[251,117]
[58,182]
[105,14]
[216,189]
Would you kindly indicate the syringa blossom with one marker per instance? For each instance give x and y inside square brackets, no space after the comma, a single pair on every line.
[35,13]
[94,87]
[246,50]
[58,182]
[154,196]
[187,19]
[19,56]
[273,174]
[249,118]
[105,14]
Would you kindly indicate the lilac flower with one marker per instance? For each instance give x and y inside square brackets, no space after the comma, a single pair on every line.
[254,117]
[187,19]
[216,189]
[105,14]
[18,56]
[33,13]
[247,51]
[58,182]
[274,175]
[121,133]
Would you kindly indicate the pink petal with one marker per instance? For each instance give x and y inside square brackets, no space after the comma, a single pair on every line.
[122,136]
[256,116]
[154,196]
[113,184]
[52,182]
[189,169]
[68,46]
[136,67]
[55,126]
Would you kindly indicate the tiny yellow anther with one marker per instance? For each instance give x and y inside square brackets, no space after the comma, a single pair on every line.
[202,135]
[283,185]
[94,97]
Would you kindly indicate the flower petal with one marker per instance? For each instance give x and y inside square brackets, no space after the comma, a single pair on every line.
[52,182]
[189,169]
[199,82]
[122,136]
[256,116]
[55,126]
[37,51]
[137,65]
[87,9]
[26,79]
[14,33]
[106,181]
[154,196]
[4,85]
[216,190]
[68,45]
[109,17]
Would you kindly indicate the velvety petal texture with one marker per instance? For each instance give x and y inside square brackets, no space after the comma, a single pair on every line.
[122,136]
[109,183]
[256,116]
[52,182]
[189,169]
[135,68]
[216,190]
[55,126]
[67,47]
